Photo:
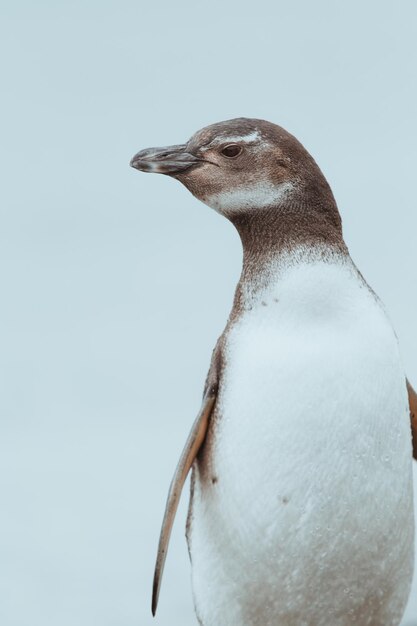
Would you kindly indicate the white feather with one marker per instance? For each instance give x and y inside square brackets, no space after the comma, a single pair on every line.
[259,195]
[311,518]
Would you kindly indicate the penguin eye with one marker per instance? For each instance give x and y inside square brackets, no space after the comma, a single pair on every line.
[232,150]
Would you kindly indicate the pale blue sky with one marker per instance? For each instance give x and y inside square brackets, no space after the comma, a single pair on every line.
[115,285]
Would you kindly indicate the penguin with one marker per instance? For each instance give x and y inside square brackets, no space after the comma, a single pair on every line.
[301,506]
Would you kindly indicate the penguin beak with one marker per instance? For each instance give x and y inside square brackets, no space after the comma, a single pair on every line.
[170,160]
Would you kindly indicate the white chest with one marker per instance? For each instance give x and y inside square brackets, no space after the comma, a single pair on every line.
[311,461]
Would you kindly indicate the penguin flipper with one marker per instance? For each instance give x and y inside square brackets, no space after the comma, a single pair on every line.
[412,399]
[193,444]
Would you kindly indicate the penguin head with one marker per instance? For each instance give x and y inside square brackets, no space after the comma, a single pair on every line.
[241,166]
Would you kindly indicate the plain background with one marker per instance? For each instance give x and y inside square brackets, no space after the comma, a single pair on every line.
[115,285]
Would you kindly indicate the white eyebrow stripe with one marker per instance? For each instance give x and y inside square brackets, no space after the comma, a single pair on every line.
[248,138]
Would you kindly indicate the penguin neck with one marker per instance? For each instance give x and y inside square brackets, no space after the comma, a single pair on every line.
[276,238]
